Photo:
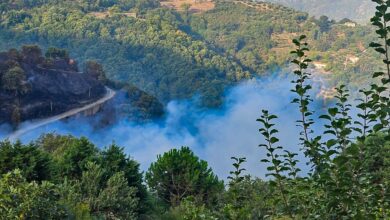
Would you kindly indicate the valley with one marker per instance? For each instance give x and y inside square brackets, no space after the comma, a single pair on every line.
[249,40]
[194,109]
[169,53]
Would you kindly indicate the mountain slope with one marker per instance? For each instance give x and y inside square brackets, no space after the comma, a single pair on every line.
[180,54]
[259,35]
[152,51]
[357,10]
[34,87]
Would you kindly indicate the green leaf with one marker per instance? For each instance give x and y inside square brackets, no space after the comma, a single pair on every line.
[327,117]
[330,143]
[333,111]
[296,42]
[386,16]
[377,74]
[380,50]
[274,140]
[373,44]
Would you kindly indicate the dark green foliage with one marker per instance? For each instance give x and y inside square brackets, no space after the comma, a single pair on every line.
[74,158]
[118,197]
[148,107]
[114,160]
[248,199]
[244,194]
[350,159]
[84,4]
[246,34]
[96,70]
[302,88]
[31,53]
[277,165]
[152,53]
[324,23]
[21,199]
[55,53]
[33,163]
[92,179]
[54,144]
[172,55]
[236,176]
[178,174]
[112,198]
[339,121]
[14,81]
[342,185]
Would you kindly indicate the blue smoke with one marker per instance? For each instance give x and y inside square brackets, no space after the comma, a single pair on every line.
[214,135]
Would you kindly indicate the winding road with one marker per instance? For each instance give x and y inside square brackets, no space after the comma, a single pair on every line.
[39,123]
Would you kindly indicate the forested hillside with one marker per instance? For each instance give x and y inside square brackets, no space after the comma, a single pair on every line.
[64,177]
[178,54]
[337,168]
[357,10]
[258,37]
[131,49]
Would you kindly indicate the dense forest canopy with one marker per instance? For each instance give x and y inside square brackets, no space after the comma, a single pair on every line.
[348,154]
[176,55]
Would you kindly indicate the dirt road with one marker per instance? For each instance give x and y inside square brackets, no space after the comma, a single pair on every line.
[39,123]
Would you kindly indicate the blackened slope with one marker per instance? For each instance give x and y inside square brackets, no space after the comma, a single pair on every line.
[51,86]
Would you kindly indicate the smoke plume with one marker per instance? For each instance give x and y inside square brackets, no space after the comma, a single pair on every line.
[214,135]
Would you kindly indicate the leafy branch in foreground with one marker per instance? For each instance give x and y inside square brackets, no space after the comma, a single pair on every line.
[339,121]
[302,89]
[277,167]
[381,94]
[367,116]
[236,174]
[345,184]
[380,20]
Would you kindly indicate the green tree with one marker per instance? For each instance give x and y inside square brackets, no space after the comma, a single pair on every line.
[55,144]
[114,160]
[14,80]
[178,174]
[16,117]
[186,9]
[95,69]
[111,198]
[234,197]
[57,53]
[190,210]
[324,23]
[73,160]
[32,162]
[31,54]
[248,199]
[114,9]
[118,199]
[20,199]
